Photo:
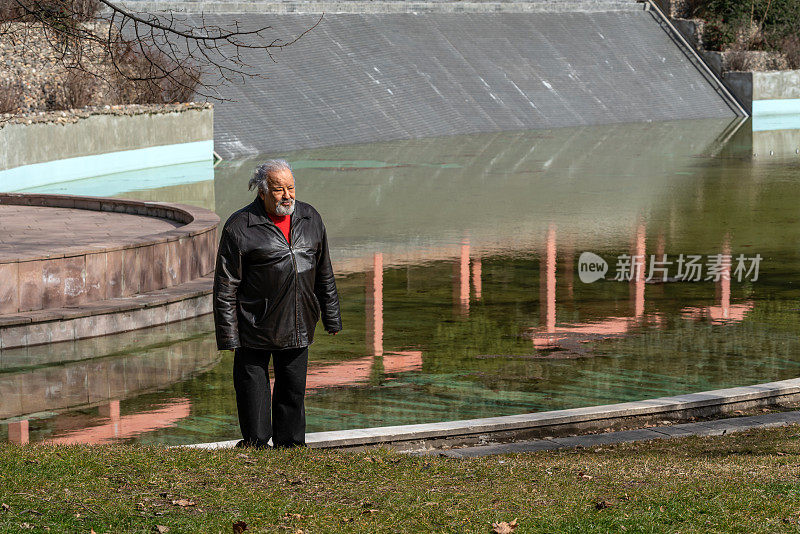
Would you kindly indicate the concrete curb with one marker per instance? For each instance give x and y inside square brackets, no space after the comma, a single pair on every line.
[708,428]
[107,317]
[391,6]
[551,422]
[110,285]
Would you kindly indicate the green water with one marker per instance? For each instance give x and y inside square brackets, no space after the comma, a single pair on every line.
[456,262]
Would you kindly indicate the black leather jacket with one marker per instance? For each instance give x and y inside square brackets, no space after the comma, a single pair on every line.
[268,294]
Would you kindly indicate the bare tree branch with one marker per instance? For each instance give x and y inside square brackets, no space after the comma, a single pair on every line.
[144,57]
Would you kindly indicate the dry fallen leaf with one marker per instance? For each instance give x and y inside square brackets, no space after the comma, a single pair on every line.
[369,511]
[239,527]
[5,507]
[504,528]
[293,516]
[161,529]
[183,502]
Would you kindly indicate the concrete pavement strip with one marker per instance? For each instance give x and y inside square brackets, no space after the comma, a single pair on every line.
[706,428]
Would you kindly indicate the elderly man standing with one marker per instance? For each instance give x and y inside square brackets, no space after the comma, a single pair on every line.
[272,282]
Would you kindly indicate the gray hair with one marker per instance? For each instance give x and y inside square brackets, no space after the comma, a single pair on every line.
[263,171]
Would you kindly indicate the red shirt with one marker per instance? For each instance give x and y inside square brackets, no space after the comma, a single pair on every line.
[283,222]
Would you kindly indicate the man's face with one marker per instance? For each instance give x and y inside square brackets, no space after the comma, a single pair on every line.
[279,200]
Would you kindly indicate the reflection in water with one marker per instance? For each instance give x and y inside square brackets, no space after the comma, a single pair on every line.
[476,277]
[40,380]
[129,426]
[461,281]
[644,270]
[18,431]
[374,306]
[501,190]
[638,257]
[456,261]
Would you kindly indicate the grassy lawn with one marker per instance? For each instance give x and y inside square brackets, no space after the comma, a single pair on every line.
[748,482]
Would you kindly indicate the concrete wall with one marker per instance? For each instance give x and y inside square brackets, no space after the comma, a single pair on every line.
[359,78]
[741,85]
[50,148]
[775,143]
[776,85]
[766,93]
[25,144]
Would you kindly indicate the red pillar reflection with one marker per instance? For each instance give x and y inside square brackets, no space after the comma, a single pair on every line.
[374,306]
[550,268]
[128,426]
[725,311]
[638,260]
[660,246]
[725,279]
[461,278]
[18,432]
[477,283]
[547,290]
[111,411]
[339,374]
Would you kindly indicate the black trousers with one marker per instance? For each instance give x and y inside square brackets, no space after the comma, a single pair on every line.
[287,424]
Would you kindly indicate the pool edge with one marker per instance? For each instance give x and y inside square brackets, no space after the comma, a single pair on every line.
[551,423]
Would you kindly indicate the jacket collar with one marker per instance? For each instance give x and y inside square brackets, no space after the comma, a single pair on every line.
[256,214]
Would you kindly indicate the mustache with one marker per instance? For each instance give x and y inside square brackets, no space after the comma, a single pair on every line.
[285,207]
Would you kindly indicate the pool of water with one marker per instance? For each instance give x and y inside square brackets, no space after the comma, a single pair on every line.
[458,273]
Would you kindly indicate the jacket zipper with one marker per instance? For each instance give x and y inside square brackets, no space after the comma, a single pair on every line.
[294,264]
